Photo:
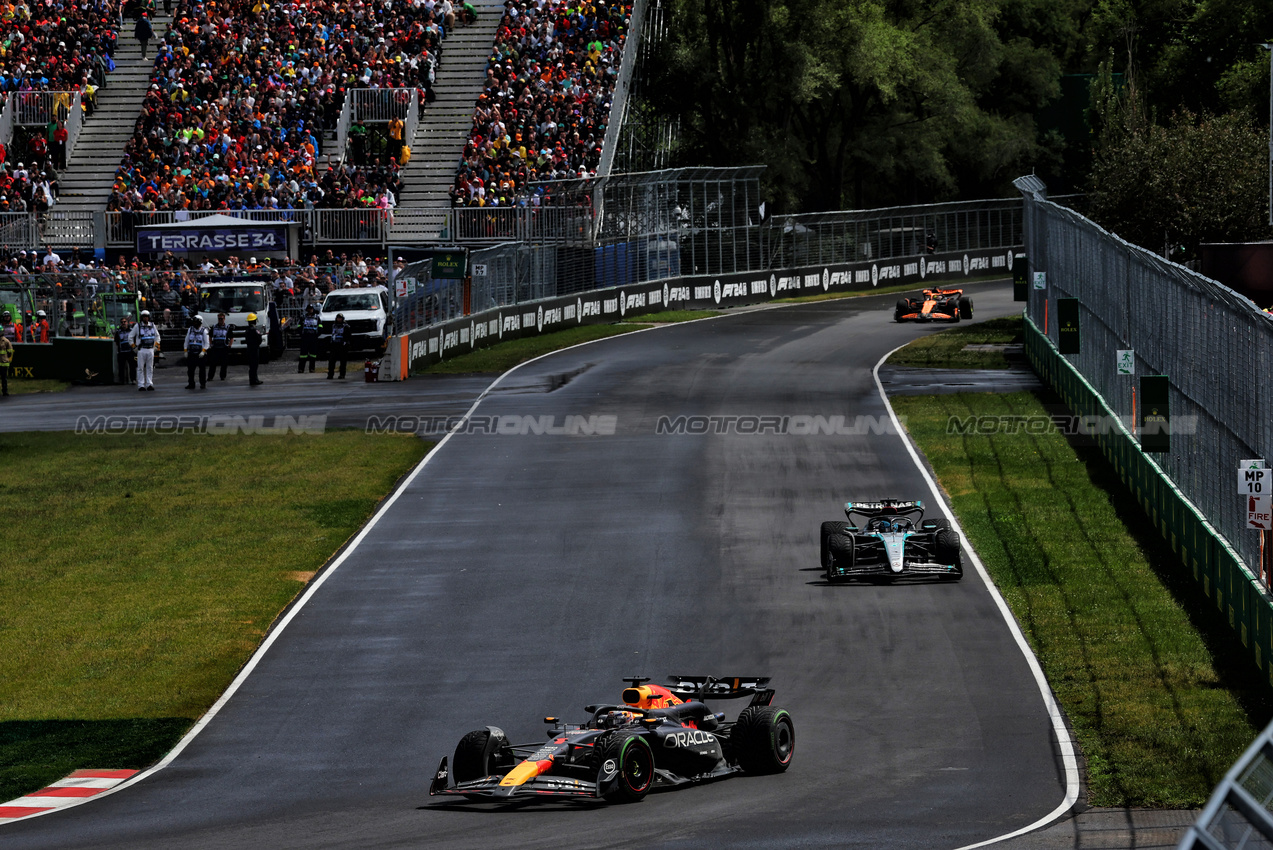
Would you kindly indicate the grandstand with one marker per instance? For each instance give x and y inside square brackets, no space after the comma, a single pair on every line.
[306,106]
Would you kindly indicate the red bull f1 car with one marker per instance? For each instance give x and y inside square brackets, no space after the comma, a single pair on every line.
[891,540]
[660,736]
[936,305]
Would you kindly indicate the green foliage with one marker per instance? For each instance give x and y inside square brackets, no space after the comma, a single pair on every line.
[865,102]
[1170,188]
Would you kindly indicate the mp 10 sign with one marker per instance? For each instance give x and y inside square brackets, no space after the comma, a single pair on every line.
[1253,482]
[184,240]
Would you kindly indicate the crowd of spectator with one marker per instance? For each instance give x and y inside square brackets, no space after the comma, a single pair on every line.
[60,46]
[170,286]
[544,111]
[243,91]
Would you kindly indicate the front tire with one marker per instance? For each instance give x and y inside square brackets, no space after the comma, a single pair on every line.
[764,737]
[947,551]
[626,770]
[828,529]
[482,753]
[842,554]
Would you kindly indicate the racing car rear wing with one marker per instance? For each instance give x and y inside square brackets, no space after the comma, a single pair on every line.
[710,687]
[889,507]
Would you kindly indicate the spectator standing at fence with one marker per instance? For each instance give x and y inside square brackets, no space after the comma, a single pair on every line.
[311,295]
[145,341]
[52,260]
[339,349]
[196,347]
[144,32]
[252,343]
[309,341]
[125,357]
[6,357]
[221,337]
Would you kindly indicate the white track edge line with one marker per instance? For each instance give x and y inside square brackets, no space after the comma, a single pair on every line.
[1064,742]
[312,588]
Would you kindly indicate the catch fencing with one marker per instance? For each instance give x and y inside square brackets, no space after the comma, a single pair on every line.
[1214,346]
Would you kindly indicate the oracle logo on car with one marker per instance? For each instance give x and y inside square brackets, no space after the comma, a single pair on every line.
[688,739]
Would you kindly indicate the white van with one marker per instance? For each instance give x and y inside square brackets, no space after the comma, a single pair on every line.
[367,313]
[237,298]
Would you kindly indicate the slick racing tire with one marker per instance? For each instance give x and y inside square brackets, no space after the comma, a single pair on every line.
[965,308]
[484,752]
[764,739]
[902,308]
[841,553]
[828,529]
[946,550]
[626,770]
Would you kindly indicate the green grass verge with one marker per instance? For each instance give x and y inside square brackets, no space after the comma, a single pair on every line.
[669,316]
[1161,696]
[140,572]
[945,350]
[505,355]
[25,386]
[883,290]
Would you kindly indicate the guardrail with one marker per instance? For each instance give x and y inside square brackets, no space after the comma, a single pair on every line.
[38,108]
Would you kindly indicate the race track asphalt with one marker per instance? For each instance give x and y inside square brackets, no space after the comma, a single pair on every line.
[523,576]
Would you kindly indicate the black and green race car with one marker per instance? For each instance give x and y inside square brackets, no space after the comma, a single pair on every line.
[891,540]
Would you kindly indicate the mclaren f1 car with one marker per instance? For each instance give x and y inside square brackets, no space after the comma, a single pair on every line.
[660,736]
[890,539]
[936,305]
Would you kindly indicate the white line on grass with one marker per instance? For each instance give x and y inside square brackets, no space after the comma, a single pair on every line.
[1064,743]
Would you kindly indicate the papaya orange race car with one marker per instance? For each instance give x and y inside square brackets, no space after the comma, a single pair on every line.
[661,736]
[936,305]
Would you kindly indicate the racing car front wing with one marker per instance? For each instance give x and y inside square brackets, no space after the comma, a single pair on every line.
[489,787]
[927,568]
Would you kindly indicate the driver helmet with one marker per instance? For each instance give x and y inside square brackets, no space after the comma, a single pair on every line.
[885,526]
[616,719]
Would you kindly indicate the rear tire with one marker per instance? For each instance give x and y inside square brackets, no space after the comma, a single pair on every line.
[764,738]
[828,529]
[626,771]
[841,553]
[965,308]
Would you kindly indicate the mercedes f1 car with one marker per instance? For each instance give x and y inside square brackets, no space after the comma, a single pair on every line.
[893,541]
[661,736]
[937,305]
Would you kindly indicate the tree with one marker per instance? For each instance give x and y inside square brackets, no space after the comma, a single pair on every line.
[1171,188]
[863,102]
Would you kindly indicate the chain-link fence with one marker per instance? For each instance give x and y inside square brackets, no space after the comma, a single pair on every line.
[1215,346]
[881,234]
